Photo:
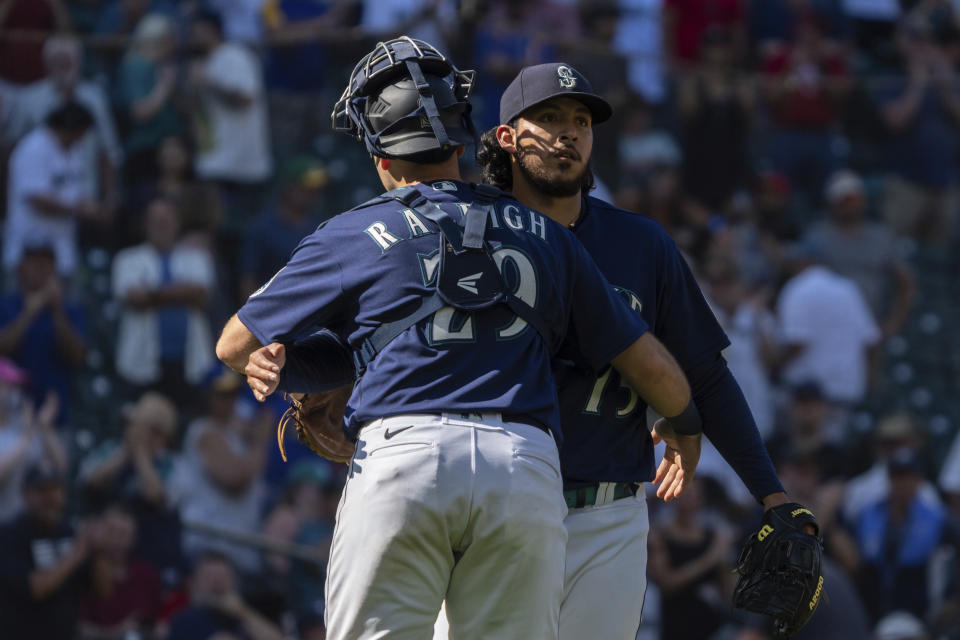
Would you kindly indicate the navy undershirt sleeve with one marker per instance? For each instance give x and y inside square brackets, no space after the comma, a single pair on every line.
[729,424]
[319,362]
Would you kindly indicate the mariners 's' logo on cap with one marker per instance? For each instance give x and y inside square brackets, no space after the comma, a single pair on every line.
[566,78]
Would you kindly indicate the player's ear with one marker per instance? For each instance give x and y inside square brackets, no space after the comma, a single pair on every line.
[507,138]
[383,163]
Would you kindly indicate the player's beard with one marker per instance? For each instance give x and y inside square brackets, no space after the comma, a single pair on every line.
[539,177]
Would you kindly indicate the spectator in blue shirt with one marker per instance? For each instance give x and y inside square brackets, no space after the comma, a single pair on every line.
[40,329]
[920,108]
[163,340]
[897,538]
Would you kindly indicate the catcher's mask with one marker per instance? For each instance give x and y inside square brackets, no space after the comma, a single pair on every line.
[406,100]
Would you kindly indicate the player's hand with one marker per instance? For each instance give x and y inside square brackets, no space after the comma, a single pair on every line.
[263,369]
[679,460]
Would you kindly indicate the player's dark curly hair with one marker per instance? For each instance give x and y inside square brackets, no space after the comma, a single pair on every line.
[494,161]
[495,167]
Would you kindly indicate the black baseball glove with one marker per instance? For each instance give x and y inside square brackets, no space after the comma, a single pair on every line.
[779,569]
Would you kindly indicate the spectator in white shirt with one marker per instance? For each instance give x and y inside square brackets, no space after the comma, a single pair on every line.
[164,340]
[235,148]
[750,327]
[827,329]
[50,185]
[639,39]
[232,133]
[63,60]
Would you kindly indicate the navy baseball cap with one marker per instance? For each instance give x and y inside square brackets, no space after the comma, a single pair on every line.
[542,82]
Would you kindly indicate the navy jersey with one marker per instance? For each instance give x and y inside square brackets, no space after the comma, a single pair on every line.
[604,421]
[374,265]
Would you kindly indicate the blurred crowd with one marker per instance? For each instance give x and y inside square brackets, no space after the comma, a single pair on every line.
[160,159]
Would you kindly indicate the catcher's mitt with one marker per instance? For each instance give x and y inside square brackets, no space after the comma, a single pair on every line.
[779,569]
[319,421]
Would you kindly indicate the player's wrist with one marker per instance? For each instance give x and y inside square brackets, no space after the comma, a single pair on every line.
[774,500]
[687,422]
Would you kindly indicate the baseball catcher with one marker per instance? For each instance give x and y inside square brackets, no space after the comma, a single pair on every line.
[779,568]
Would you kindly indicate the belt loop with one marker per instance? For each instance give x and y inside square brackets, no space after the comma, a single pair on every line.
[605,493]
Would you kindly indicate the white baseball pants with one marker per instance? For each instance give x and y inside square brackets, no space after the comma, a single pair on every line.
[606,572]
[463,508]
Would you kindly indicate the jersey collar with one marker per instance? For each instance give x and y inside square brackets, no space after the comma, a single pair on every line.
[581,217]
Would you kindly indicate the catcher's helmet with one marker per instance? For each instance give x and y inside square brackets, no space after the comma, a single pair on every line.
[406,100]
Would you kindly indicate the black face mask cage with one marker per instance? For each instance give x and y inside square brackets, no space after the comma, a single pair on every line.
[389,61]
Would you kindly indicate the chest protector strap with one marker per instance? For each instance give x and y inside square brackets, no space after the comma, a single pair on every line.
[467,277]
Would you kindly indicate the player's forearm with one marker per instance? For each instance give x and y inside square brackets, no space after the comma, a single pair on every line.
[235,345]
[649,368]
[774,499]
[729,424]
[318,363]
